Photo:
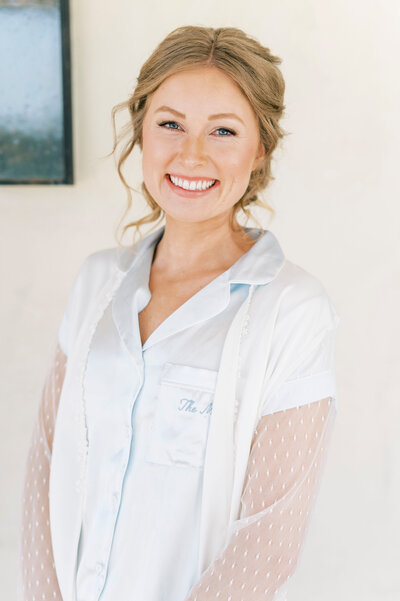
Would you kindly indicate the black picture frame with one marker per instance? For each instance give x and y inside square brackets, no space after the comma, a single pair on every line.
[23,159]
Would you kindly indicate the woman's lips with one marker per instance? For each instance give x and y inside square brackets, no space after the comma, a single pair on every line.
[189,193]
[192,179]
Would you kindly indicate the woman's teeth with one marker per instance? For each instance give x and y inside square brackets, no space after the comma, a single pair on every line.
[193,185]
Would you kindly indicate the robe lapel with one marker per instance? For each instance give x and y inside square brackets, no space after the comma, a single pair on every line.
[69,453]
[246,351]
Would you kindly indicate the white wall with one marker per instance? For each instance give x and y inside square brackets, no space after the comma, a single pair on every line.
[337,199]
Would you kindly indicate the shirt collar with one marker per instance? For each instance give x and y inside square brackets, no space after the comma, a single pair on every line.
[259,265]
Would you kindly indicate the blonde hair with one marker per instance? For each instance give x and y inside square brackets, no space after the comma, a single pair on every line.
[249,64]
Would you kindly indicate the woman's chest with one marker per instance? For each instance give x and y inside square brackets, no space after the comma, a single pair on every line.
[170,390]
[157,413]
[166,298]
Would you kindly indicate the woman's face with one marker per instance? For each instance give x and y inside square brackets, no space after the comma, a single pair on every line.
[198,129]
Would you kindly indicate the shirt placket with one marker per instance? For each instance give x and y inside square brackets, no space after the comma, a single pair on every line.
[124,386]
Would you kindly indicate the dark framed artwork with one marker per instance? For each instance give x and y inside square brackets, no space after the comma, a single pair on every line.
[35,92]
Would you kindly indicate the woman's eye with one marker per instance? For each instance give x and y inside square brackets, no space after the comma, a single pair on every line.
[224,129]
[169,123]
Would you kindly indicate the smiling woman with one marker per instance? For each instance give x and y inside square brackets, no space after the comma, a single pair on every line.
[218,93]
[186,415]
[194,152]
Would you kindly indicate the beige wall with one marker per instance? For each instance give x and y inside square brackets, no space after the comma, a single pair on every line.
[337,199]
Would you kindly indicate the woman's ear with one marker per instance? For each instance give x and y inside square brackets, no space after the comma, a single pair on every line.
[259,157]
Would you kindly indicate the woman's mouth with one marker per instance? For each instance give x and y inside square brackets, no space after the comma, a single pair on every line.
[191,187]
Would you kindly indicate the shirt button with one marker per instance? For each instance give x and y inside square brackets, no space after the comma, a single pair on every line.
[115,498]
[99,568]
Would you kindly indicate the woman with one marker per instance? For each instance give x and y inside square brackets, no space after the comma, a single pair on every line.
[193,378]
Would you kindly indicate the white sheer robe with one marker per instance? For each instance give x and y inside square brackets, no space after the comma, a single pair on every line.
[38,579]
[284,468]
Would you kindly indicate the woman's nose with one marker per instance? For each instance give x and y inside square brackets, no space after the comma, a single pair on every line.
[193,150]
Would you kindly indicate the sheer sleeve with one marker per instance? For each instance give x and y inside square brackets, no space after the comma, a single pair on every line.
[38,580]
[281,483]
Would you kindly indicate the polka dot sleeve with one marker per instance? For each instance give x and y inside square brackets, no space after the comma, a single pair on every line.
[38,580]
[281,483]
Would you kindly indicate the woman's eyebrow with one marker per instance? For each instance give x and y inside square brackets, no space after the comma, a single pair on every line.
[182,116]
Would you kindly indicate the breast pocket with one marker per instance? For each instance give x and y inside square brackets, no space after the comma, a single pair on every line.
[179,428]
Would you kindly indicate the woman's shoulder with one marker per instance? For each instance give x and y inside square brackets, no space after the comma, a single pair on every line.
[93,270]
[92,274]
[96,269]
[300,281]
[101,261]
[98,266]
[300,295]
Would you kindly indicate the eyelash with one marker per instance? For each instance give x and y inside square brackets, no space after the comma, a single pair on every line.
[231,131]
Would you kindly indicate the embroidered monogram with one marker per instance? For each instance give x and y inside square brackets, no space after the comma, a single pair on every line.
[190,406]
[179,429]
